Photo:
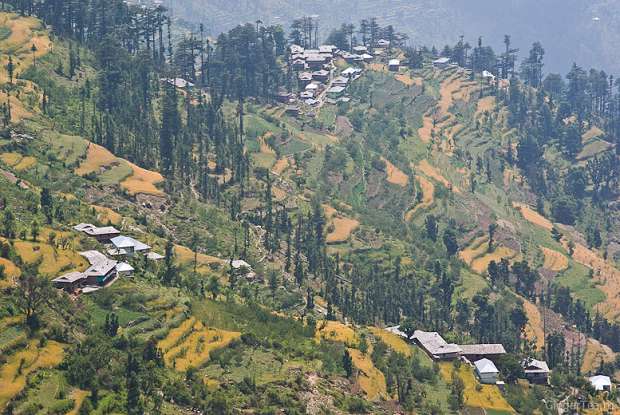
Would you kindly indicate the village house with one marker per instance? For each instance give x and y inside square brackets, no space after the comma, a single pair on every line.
[359,50]
[475,352]
[382,43]
[306,95]
[313,86]
[394,65]
[125,245]
[315,62]
[101,273]
[327,49]
[124,269]
[70,282]
[304,79]
[284,97]
[154,256]
[441,63]
[600,383]
[335,92]
[367,57]
[178,82]
[435,346]
[321,75]
[296,49]
[299,65]
[103,234]
[349,57]
[292,110]
[536,371]
[341,81]
[350,72]
[486,371]
[488,77]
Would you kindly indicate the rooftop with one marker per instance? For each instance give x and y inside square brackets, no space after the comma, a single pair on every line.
[434,343]
[600,382]
[394,62]
[70,277]
[124,242]
[93,257]
[482,349]
[441,60]
[101,268]
[485,366]
[535,366]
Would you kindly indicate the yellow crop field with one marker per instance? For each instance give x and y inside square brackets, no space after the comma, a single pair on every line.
[554,261]
[336,331]
[475,249]
[13,380]
[394,342]
[532,216]
[143,181]
[53,260]
[534,327]
[595,354]
[107,215]
[96,158]
[11,159]
[489,397]
[343,228]
[481,264]
[78,396]
[280,166]
[176,334]
[25,163]
[432,172]
[395,175]
[370,379]
[185,256]
[189,344]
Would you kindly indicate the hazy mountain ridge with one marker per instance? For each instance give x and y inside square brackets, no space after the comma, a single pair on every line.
[571,31]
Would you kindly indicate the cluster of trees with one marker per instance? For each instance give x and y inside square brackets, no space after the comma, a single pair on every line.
[367,33]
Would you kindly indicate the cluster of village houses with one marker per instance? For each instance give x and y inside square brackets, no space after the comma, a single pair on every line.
[104,270]
[483,358]
[316,74]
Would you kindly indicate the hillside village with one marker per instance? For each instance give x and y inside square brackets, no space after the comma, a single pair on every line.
[307,268]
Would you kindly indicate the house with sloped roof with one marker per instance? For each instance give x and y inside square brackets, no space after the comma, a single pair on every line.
[435,346]
[475,352]
[600,383]
[486,371]
[101,234]
[101,273]
[126,245]
[70,282]
[441,63]
[536,371]
[394,65]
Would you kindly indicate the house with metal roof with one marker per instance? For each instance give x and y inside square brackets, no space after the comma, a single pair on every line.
[125,245]
[600,383]
[101,273]
[486,371]
[441,63]
[394,65]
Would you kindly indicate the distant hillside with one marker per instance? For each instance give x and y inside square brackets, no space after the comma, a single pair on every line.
[570,30]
